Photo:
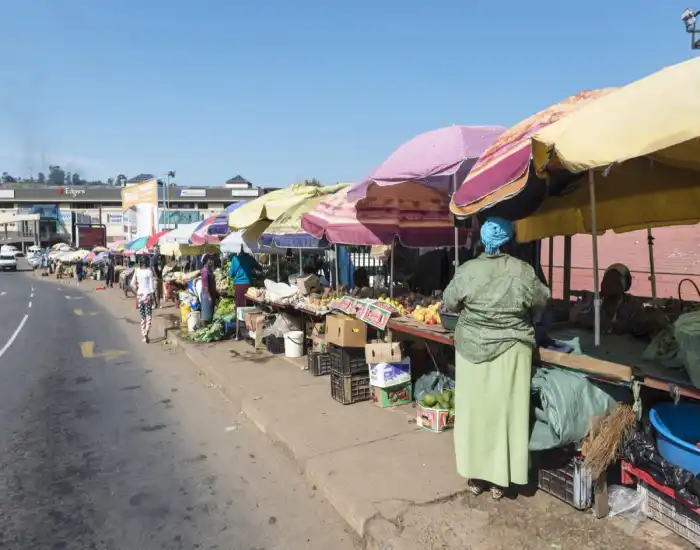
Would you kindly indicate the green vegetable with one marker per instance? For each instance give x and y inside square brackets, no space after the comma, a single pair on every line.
[429,399]
[447,395]
[211,333]
[226,307]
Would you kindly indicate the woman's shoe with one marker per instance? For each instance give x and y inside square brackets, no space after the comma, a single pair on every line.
[497,493]
[475,487]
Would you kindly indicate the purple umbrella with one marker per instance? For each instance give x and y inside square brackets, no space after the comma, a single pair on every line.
[435,159]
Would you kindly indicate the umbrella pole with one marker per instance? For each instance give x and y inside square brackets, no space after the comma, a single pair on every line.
[454,190]
[391,287]
[278,268]
[300,260]
[337,280]
[594,230]
[652,277]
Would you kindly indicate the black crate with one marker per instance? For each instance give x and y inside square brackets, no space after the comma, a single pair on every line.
[571,483]
[346,361]
[319,364]
[274,344]
[351,388]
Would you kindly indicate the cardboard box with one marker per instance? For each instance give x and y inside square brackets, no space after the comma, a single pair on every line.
[319,344]
[385,375]
[435,420]
[251,319]
[393,396]
[345,331]
[381,352]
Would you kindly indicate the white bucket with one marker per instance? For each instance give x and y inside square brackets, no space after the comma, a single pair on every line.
[193,320]
[294,343]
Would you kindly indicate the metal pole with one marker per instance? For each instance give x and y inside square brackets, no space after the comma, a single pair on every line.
[551,263]
[391,288]
[594,231]
[454,190]
[278,268]
[337,280]
[652,276]
[301,271]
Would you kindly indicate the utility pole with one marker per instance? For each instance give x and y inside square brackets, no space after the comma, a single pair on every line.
[689,17]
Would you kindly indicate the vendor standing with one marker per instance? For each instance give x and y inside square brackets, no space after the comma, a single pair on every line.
[241,271]
[496,296]
[207,296]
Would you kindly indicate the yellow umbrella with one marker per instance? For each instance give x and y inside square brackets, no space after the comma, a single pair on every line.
[644,138]
[273,205]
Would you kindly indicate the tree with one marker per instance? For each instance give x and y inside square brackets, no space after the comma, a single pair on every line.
[121,179]
[57,176]
[41,178]
[110,182]
[76,180]
[7,178]
[314,182]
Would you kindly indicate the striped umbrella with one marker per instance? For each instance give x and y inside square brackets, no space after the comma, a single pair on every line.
[213,229]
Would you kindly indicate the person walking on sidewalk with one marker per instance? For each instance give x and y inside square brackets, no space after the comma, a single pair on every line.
[241,271]
[157,267]
[497,297]
[142,283]
[109,277]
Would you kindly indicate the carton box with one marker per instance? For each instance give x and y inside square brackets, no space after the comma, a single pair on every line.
[345,332]
[393,396]
[319,344]
[435,420]
[315,329]
[251,319]
[382,352]
[309,284]
[385,375]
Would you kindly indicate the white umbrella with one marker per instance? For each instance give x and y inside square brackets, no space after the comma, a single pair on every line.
[247,241]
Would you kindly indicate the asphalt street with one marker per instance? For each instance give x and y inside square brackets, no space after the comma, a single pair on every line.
[109,443]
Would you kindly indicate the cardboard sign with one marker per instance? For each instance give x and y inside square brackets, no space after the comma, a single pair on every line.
[376,314]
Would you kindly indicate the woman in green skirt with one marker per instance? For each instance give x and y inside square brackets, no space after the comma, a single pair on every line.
[496,296]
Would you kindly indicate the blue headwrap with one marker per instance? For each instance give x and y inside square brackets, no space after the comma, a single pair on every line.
[495,232]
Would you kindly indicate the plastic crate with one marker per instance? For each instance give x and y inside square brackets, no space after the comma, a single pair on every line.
[319,364]
[274,344]
[572,483]
[670,513]
[346,361]
[351,388]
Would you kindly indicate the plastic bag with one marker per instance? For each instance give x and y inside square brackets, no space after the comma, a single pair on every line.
[686,329]
[664,350]
[433,382]
[283,323]
[626,502]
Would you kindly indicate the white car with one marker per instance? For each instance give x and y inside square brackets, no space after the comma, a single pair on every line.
[8,261]
[9,249]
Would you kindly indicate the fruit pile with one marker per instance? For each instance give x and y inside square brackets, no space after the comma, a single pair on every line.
[429,315]
[444,401]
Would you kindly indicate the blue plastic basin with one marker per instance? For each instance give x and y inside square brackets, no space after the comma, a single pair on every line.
[678,432]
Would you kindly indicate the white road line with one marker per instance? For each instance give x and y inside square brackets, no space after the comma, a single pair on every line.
[30,304]
[14,335]
[3,293]
[31,295]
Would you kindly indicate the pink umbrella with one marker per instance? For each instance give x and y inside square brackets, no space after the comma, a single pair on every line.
[418,217]
[436,159]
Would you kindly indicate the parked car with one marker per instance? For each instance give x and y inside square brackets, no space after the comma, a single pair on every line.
[8,261]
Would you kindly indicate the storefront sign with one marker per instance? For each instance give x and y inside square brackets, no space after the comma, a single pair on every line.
[115,218]
[193,192]
[244,192]
[145,193]
[71,191]
[7,193]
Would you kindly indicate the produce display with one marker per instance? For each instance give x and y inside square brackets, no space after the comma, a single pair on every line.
[444,401]
[225,308]
[211,333]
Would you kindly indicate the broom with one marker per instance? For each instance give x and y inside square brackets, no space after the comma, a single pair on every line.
[601,444]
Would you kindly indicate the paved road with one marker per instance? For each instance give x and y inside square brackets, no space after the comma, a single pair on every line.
[108,443]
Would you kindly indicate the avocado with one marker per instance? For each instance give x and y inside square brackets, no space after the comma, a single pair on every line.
[443,404]
[447,395]
[429,399]
[452,411]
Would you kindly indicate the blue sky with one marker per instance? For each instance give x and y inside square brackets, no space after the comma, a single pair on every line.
[280,91]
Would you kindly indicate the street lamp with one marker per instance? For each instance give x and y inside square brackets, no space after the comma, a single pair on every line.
[166,200]
[689,17]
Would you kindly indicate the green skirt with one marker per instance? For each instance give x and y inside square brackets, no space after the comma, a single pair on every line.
[492,417]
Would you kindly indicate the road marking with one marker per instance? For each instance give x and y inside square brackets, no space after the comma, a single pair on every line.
[31,295]
[14,335]
[30,303]
[87,349]
[3,293]
[73,297]
[80,313]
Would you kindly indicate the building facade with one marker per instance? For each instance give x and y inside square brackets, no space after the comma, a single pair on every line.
[101,205]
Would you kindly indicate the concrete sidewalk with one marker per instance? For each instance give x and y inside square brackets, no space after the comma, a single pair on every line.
[393,482]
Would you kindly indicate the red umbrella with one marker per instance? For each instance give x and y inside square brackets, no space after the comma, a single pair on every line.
[153,239]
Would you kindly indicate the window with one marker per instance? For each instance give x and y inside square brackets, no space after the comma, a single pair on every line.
[7,205]
[83,205]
